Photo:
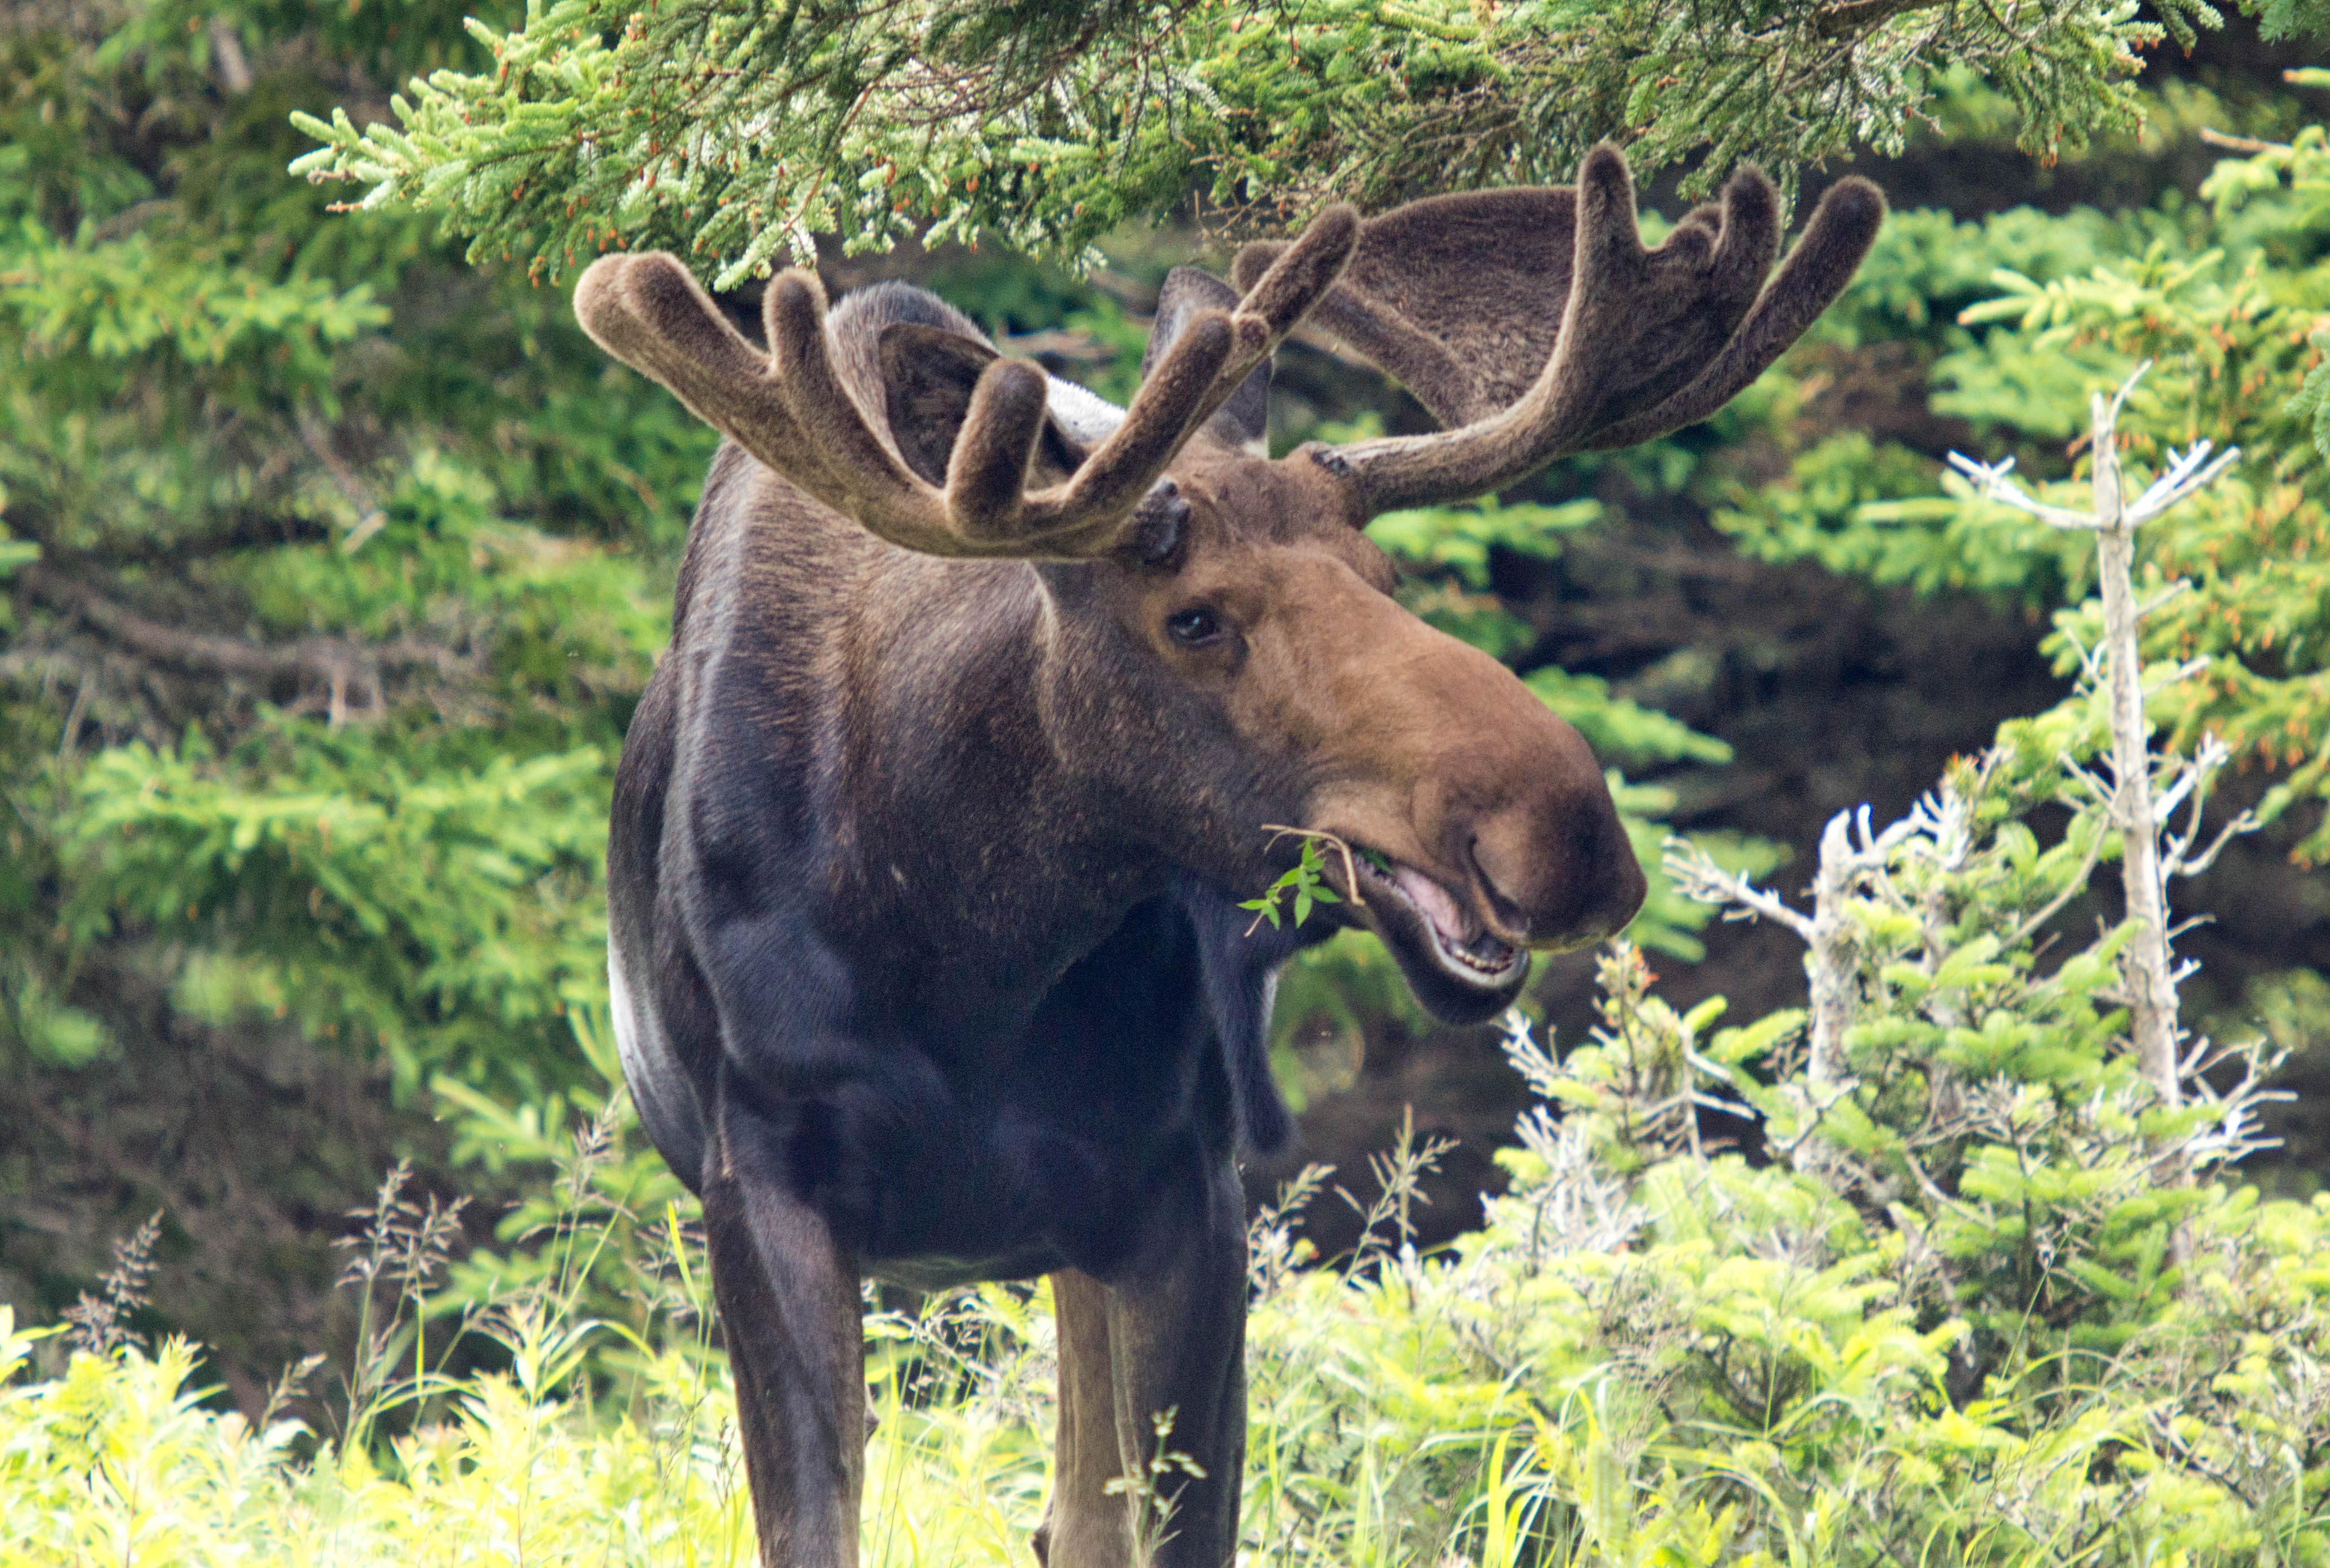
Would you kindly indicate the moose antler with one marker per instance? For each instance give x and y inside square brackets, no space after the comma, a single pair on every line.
[790,410]
[1455,297]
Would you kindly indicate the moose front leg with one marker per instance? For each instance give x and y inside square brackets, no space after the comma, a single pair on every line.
[1084,1524]
[789,1315]
[1161,1342]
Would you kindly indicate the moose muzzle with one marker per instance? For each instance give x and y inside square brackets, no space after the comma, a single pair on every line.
[1479,822]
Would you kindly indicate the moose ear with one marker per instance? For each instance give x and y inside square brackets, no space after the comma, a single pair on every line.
[1243,421]
[928,374]
[1457,298]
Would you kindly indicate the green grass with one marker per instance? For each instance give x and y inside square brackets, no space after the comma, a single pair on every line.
[1697,1364]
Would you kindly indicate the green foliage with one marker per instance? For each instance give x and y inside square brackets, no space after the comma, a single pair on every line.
[348,555]
[2226,300]
[444,913]
[118,1460]
[1982,1101]
[1617,727]
[1653,1353]
[2290,18]
[1980,1302]
[1458,539]
[325,611]
[334,571]
[735,131]
[1304,883]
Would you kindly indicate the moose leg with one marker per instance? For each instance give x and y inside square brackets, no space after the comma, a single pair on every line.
[1084,1524]
[1177,1346]
[790,1314]
[1163,1340]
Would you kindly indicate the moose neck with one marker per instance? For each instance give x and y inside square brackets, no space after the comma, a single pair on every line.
[1013,778]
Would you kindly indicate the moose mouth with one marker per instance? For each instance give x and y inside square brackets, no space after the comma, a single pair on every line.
[1420,919]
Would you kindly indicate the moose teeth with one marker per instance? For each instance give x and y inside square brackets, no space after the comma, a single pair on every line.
[1453,931]
[1491,961]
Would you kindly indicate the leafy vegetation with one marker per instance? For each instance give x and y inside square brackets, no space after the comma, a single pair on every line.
[332,570]
[350,630]
[1654,1351]
[735,132]
[2226,299]
[334,565]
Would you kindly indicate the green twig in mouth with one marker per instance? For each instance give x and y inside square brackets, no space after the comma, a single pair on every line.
[1306,881]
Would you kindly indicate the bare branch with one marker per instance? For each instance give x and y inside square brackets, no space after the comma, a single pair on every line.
[2183,477]
[2141,797]
[2090,670]
[2173,786]
[2090,780]
[2175,590]
[2107,419]
[1990,481]
[2182,863]
[348,670]
[2217,138]
[1697,876]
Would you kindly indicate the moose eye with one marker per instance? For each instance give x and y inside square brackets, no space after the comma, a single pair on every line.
[1194,626]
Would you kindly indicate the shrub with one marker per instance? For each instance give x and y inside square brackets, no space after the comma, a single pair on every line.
[1699,1360]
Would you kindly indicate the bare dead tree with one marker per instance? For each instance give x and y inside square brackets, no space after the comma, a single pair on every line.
[2142,793]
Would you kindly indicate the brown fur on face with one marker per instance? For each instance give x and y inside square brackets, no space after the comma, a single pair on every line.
[1387,734]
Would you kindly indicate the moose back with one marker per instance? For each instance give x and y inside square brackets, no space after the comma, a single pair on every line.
[986,703]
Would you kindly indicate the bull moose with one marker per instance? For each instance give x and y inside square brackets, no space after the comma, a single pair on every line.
[931,832]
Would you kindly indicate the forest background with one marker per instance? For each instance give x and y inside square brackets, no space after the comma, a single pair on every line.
[335,563]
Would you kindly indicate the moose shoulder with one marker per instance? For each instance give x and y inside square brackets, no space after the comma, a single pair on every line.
[929,834]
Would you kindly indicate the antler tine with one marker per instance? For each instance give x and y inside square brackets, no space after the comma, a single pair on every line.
[648,312]
[789,410]
[792,411]
[1093,506]
[987,472]
[1298,279]
[1549,418]
[985,509]
[1843,226]
[848,467]
[1204,369]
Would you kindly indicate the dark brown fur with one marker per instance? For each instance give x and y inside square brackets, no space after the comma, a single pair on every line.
[929,834]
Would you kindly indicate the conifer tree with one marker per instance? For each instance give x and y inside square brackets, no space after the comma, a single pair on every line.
[329,568]
[736,131]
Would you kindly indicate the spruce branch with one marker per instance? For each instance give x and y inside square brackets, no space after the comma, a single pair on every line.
[351,674]
[738,131]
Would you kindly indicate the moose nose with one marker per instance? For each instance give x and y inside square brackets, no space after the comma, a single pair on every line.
[1558,867]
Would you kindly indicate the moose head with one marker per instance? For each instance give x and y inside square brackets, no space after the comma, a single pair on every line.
[987,704]
[1245,662]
